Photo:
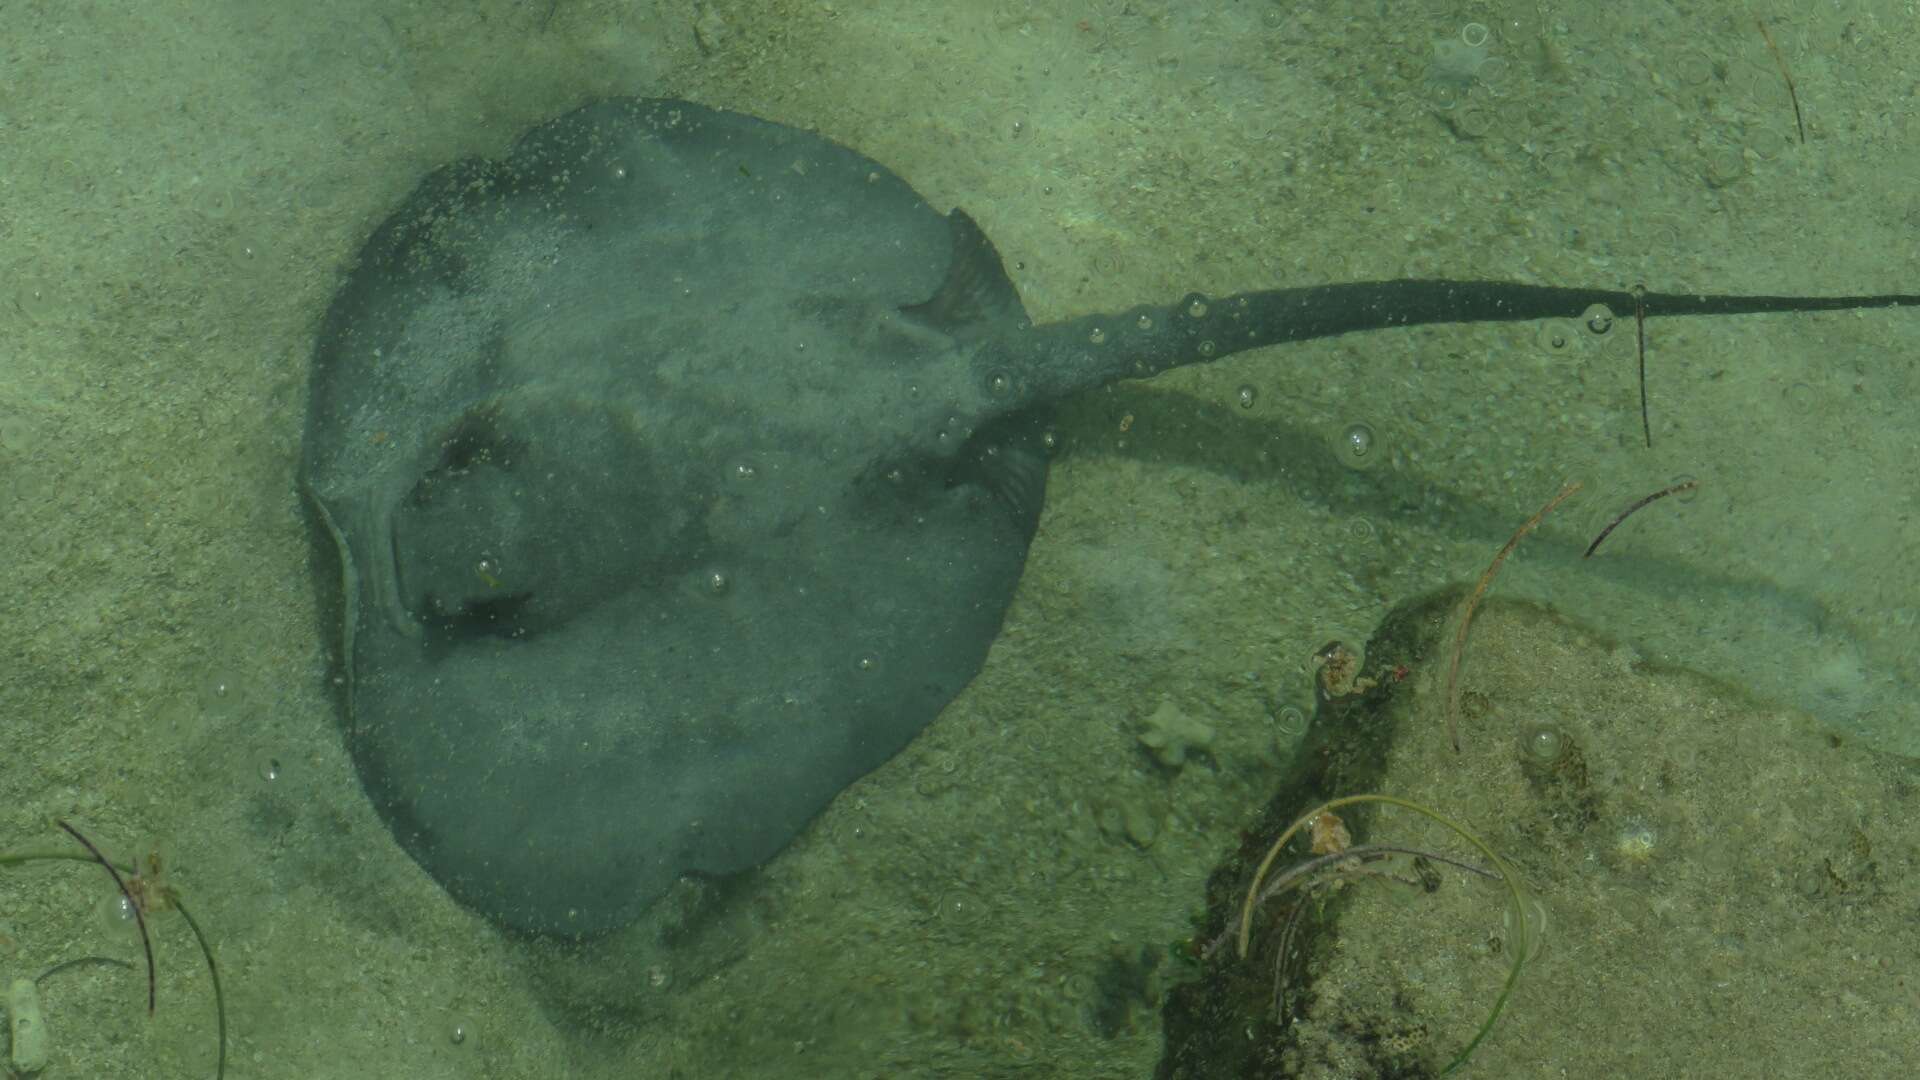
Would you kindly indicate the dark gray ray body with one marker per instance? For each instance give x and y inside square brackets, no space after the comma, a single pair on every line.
[681,466]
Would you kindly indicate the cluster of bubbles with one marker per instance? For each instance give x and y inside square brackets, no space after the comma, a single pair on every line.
[1462,62]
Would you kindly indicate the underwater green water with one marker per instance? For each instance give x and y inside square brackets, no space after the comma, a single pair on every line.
[183,185]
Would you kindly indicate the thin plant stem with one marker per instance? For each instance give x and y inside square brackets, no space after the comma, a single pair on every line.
[1366,852]
[1793,95]
[1473,601]
[1309,887]
[93,855]
[139,916]
[1523,946]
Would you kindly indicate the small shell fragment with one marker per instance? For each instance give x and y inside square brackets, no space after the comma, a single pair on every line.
[1338,672]
[1329,834]
[30,1050]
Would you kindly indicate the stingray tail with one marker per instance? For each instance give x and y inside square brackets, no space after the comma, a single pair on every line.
[1095,350]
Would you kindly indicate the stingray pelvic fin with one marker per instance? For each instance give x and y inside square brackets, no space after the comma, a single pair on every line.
[977,296]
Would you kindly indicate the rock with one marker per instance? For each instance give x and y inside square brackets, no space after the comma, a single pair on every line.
[1141,823]
[1172,735]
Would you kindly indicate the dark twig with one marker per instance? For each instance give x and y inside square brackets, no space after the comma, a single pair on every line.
[1684,485]
[213,973]
[1792,95]
[1288,930]
[139,917]
[1640,336]
[78,961]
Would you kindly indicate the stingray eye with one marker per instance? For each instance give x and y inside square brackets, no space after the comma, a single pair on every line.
[477,448]
[477,440]
[464,454]
[501,616]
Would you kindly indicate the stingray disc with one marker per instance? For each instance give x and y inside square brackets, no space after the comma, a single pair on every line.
[647,451]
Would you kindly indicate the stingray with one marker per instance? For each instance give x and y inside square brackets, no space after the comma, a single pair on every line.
[680,467]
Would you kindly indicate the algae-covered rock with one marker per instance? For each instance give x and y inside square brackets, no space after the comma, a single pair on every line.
[1712,880]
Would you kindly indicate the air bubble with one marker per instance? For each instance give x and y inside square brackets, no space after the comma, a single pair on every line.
[868,663]
[1598,318]
[1474,35]
[1144,322]
[1196,307]
[242,251]
[1456,61]
[1098,336]
[270,770]
[718,583]
[1247,395]
[114,914]
[744,471]
[1473,123]
[1520,28]
[1292,721]
[1206,348]
[217,203]
[1050,440]
[1529,936]
[1557,334]
[16,434]
[1693,68]
[1636,842]
[219,697]
[1357,445]
[1544,745]
[999,383]
[1724,165]
[1766,143]
[35,299]
[1360,530]
[459,1035]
